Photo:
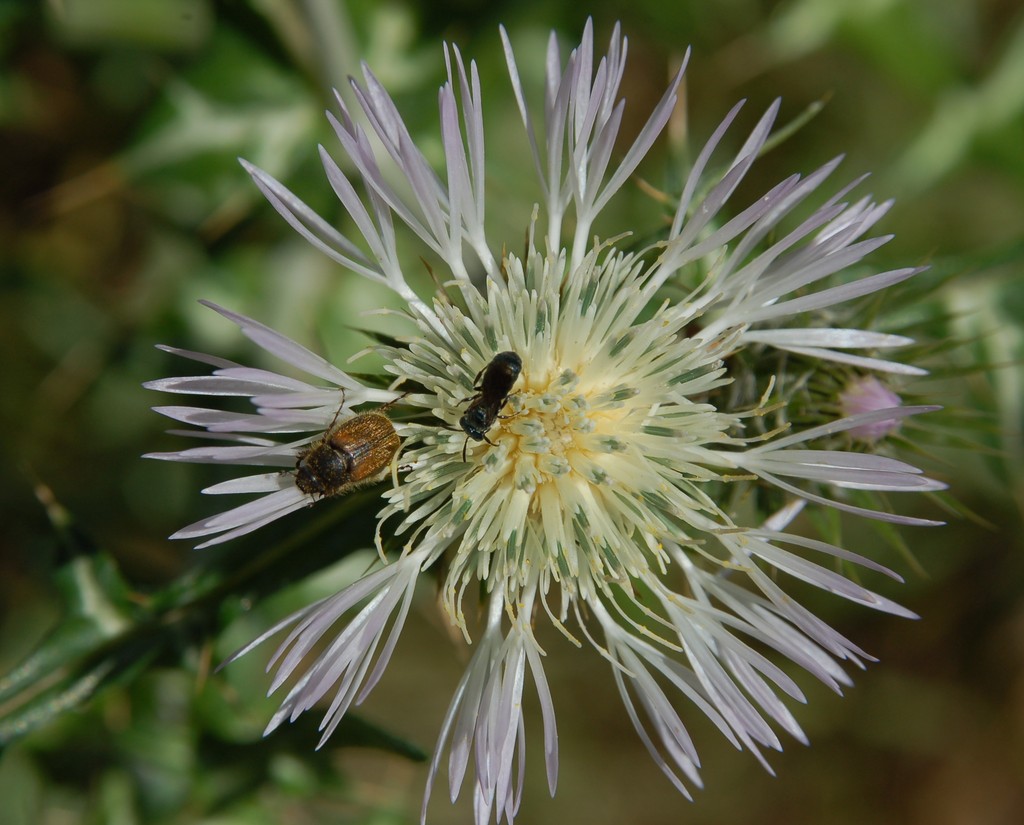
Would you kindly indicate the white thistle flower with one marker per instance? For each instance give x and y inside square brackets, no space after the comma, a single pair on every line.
[600,496]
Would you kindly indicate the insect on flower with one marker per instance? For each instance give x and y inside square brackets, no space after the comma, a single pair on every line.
[619,512]
[493,384]
[355,452]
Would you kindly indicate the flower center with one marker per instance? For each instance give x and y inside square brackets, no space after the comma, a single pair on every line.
[563,429]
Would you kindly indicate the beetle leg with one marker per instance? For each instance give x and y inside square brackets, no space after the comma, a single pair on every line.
[393,401]
[337,412]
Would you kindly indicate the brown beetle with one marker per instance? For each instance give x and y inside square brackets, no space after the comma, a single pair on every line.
[357,451]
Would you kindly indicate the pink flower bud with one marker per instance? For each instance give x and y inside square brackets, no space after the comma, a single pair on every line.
[869,395]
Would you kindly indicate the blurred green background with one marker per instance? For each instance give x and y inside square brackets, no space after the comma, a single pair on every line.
[121,204]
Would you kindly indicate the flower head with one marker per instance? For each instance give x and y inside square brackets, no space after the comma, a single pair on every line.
[868,395]
[603,493]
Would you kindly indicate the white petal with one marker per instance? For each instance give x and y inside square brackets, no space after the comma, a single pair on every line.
[829,337]
[285,348]
[878,364]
